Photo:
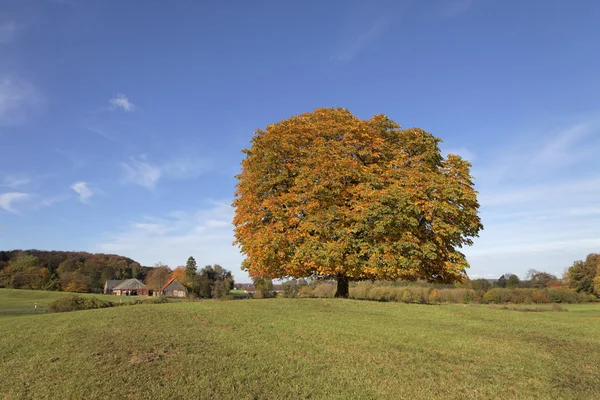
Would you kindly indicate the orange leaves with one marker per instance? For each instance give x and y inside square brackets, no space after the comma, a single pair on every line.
[326,193]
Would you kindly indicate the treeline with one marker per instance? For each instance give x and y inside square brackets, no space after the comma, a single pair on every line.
[65,270]
[212,281]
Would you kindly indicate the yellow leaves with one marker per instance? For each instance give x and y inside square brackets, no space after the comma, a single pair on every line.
[326,193]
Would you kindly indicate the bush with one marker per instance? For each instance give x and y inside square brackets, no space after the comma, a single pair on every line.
[563,295]
[324,290]
[540,296]
[306,291]
[406,297]
[458,296]
[75,303]
[434,296]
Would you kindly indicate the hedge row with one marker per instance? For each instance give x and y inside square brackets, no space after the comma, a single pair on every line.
[420,294]
[77,303]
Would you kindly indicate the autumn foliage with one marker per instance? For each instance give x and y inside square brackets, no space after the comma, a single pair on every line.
[328,194]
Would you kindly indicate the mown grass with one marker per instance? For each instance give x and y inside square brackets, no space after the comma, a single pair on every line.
[302,348]
[13,299]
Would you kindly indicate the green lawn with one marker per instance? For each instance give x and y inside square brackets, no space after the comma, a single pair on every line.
[11,299]
[305,348]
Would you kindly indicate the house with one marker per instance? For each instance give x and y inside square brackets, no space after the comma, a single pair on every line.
[173,288]
[110,285]
[130,287]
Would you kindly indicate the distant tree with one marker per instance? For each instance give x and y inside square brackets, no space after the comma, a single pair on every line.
[291,288]
[221,289]
[213,281]
[74,282]
[158,277]
[179,274]
[480,284]
[538,279]
[581,275]
[501,282]
[264,288]
[23,261]
[328,194]
[191,270]
[512,281]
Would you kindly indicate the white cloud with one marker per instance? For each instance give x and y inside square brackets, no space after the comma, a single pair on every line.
[7,200]
[121,101]
[82,189]
[8,31]
[142,172]
[205,234]
[18,99]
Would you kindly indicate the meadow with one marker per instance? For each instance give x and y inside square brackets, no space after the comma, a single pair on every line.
[302,348]
[19,299]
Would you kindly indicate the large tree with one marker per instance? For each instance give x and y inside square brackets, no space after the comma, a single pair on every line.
[158,276]
[581,275]
[328,194]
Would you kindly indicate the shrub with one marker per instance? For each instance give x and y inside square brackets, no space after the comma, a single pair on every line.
[74,303]
[324,290]
[457,296]
[406,297]
[540,296]
[563,295]
[434,296]
[306,291]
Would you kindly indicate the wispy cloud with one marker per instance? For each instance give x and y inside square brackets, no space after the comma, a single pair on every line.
[7,200]
[50,201]
[82,189]
[142,172]
[562,149]
[8,31]
[18,99]
[13,182]
[539,200]
[206,234]
[120,101]
[354,45]
[455,8]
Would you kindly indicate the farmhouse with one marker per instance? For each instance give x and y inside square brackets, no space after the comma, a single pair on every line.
[173,288]
[130,287]
[110,285]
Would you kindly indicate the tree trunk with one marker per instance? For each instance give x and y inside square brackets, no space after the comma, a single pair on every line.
[342,287]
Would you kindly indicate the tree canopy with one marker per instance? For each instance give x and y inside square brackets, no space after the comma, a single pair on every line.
[328,194]
[584,276]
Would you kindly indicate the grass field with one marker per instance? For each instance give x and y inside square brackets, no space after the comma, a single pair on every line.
[13,299]
[304,348]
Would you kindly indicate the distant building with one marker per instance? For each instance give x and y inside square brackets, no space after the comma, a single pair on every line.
[173,288]
[110,285]
[130,287]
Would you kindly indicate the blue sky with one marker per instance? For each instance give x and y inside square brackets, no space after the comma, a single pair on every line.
[121,122]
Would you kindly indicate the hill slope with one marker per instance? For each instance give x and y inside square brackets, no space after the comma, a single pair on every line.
[278,348]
